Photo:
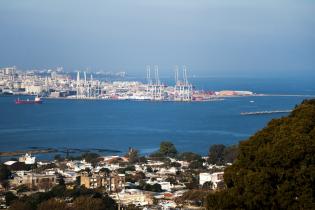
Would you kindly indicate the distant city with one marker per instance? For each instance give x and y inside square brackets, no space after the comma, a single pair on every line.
[56,83]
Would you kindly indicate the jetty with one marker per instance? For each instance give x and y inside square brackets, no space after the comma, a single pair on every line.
[31,151]
[266,112]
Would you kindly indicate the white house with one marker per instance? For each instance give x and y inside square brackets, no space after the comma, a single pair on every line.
[215,178]
[27,159]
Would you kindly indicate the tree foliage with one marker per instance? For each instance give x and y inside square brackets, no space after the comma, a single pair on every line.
[133,155]
[4,172]
[19,205]
[275,168]
[167,149]
[53,204]
[53,199]
[195,197]
[220,154]
[148,187]
[189,156]
[216,154]
[87,203]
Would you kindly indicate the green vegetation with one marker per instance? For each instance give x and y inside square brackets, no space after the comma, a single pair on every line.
[189,156]
[56,199]
[193,197]
[275,168]
[20,166]
[133,155]
[167,149]
[4,173]
[219,154]
[149,187]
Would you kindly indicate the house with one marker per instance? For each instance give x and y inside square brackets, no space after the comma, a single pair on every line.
[27,159]
[215,178]
[112,182]
[134,196]
[34,181]
[78,165]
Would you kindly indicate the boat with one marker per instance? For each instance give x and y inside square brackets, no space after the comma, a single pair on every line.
[37,100]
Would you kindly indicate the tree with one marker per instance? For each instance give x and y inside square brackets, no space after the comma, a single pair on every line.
[230,153]
[9,198]
[207,185]
[105,171]
[4,172]
[148,187]
[52,204]
[149,169]
[133,155]
[58,157]
[167,149]
[216,154]
[22,188]
[189,156]
[195,197]
[87,203]
[19,205]
[19,166]
[275,167]
[91,157]
[175,164]
[197,164]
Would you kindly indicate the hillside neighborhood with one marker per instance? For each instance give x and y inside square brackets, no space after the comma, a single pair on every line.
[156,181]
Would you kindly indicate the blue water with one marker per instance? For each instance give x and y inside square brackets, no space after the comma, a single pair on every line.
[143,125]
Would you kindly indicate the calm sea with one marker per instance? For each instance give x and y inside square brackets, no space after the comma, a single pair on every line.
[118,125]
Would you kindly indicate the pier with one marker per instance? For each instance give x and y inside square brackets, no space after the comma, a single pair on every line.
[266,112]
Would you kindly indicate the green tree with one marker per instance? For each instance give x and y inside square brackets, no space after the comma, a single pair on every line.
[20,205]
[133,155]
[275,167]
[207,185]
[216,154]
[4,172]
[167,149]
[189,156]
[90,157]
[22,188]
[52,204]
[9,198]
[87,203]
[197,164]
[195,197]
[230,153]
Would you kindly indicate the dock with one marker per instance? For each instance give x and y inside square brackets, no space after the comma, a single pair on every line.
[266,112]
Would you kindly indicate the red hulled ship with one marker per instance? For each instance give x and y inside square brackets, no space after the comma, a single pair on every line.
[37,100]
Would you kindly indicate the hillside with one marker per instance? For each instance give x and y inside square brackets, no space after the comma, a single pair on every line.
[275,168]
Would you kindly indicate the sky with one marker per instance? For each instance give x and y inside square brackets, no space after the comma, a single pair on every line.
[210,37]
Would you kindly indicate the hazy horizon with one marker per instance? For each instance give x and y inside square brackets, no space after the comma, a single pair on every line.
[212,37]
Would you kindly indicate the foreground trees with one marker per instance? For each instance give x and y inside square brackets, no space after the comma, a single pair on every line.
[55,199]
[275,168]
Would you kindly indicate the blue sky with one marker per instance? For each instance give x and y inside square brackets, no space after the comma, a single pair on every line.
[212,37]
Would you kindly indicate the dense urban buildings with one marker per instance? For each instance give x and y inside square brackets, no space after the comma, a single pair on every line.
[55,83]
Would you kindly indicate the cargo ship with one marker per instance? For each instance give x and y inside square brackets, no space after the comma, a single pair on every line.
[37,100]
